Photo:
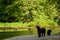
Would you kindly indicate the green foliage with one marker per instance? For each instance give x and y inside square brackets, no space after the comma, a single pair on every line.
[26,11]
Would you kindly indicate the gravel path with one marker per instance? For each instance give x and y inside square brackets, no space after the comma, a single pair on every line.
[34,37]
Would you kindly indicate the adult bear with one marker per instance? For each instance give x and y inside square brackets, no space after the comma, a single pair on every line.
[41,31]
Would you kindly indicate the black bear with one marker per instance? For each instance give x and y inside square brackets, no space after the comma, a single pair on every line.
[43,31]
[38,30]
[49,32]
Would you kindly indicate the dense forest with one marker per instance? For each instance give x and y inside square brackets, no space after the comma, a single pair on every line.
[40,11]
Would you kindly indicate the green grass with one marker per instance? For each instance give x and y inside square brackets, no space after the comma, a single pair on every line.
[11,24]
[11,33]
[8,34]
[14,24]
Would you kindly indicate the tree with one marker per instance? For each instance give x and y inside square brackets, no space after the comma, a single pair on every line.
[43,11]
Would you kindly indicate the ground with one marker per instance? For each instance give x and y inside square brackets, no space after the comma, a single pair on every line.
[35,37]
